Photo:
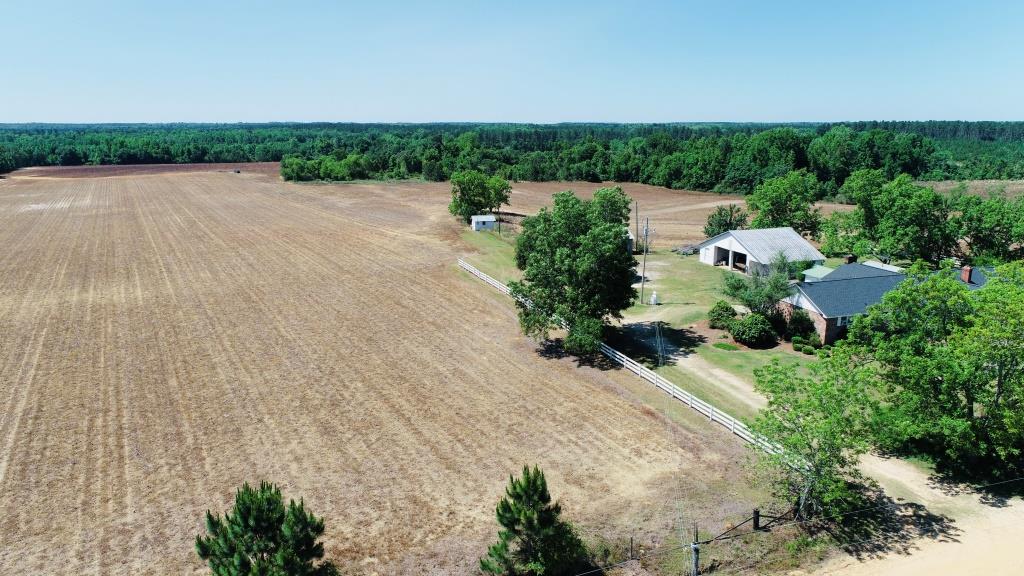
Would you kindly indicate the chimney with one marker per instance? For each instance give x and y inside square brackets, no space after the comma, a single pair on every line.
[965,274]
[851,258]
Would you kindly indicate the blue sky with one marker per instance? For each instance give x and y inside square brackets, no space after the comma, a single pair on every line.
[524,61]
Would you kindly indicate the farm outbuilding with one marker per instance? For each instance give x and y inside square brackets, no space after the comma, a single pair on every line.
[816,273]
[752,251]
[483,222]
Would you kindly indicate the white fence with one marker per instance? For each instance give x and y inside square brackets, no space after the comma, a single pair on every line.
[707,409]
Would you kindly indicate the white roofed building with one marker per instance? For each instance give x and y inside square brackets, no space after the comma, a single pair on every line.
[483,222]
[752,251]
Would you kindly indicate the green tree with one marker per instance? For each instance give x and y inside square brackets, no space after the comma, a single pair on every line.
[261,536]
[787,201]
[864,188]
[533,539]
[986,225]
[928,396]
[725,218]
[821,422]
[6,161]
[951,365]
[473,193]
[297,169]
[915,224]
[761,292]
[576,267]
[833,155]
[991,350]
[844,233]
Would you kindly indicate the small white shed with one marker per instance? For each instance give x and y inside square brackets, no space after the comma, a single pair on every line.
[483,222]
[750,251]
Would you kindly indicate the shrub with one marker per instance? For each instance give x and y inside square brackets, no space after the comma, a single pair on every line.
[721,315]
[812,340]
[753,330]
[800,324]
[807,349]
[797,341]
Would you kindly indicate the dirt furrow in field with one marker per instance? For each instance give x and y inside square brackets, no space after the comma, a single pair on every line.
[176,335]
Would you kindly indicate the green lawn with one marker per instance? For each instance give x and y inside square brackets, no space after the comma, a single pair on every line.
[495,255]
[686,289]
[722,398]
[743,363]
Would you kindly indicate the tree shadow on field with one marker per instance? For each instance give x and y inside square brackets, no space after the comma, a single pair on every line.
[554,349]
[883,525]
[639,340]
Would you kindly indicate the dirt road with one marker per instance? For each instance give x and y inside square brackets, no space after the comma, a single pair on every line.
[982,536]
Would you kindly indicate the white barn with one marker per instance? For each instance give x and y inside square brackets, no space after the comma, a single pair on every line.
[483,222]
[751,251]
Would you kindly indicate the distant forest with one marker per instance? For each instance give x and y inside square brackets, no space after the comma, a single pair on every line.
[722,157]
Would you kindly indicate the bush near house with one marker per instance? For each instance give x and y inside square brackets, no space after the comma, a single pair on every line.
[721,315]
[753,330]
[799,325]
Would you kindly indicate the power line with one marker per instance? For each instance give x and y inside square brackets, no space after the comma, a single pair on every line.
[722,537]
[881,506]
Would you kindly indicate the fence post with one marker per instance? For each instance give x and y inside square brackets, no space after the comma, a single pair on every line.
[695,547]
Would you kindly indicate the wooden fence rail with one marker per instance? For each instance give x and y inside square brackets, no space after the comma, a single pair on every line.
[706,408]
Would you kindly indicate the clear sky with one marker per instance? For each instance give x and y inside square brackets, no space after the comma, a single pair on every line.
[517,61]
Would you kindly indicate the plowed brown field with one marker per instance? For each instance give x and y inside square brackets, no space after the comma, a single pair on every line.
[166,337]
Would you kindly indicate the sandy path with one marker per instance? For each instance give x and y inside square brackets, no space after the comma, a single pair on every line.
[985,538]
[737,387]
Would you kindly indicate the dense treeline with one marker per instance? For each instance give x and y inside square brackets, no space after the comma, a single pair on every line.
[724,157]
[700,159]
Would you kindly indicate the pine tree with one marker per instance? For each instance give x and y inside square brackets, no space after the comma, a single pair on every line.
[261,536]
[534,539]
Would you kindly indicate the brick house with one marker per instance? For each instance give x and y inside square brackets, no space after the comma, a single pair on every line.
[837,297]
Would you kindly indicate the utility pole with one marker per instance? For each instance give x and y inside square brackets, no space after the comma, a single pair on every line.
[643,271]
[636,213]
[695,547]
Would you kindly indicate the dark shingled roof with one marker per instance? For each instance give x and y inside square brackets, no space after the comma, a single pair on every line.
[851,288]
[848,296]
[979,277]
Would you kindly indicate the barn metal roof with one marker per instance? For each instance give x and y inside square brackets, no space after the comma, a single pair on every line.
[765,244]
